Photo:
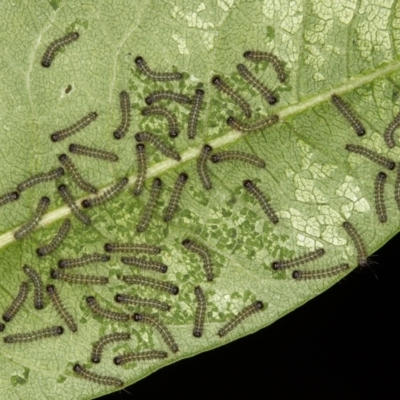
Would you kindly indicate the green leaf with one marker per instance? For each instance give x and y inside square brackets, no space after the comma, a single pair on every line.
[312,182]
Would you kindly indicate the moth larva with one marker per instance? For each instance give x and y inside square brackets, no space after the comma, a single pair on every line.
[238,155]
[165,95]
[323,273]
[80,279]
[57,239]
[17,303]
[200,312]
[145,264]
[269,57]
[195,113]
[371,155]
[346,111]
[142,168]
[106,195]
[305,258]
[67,197]
[202,169]
[380,206]
[390,130]
[255,126]
[2,327]
[132,248]
[160,327]
[29,226]
[43,177]
[76,127]
[260,87]
[235,96]
[140,356]
[173,128]
[8,198]
[139,301]
[205,255]
[253,189]
[55,46]
[34,335]
[125,105]
[175,196]
[92,152]
[358,243]
[168,287]
[240,317]
[38,285]
[150,206]
[60,308]
[100,379]
[105,340]
[156,76]
[397,188]
[159,144]
[81,261]
[108,314]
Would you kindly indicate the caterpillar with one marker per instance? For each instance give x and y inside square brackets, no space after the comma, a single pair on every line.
[92,152]
[106,195]
[200,312]
[34,335]
[74,128]
[139,301]
[323,273]
[40,178]
[255,126]
[235,96]
[152,283]
[60,308]
[238,155]
[165,95]
[2,327]
[269,57]
[253,189]
[29,226]
[75,174]
[160,327]
[202,166]
[175,196]
[57,239]
[371,155]
[305,258]
[103,341]
[265,92]
[173,129]
[397,188]
[140,356]
[55,46]
[195,113]
[67,197]
[132,248]
[358,243]
[205,255]
[380,206]
[100,379]
[81,279]
[151,204]
[17,303]
[125,105]
[8,198]
[85,260]
[108,314]
[145,264]
[240,317]
[159,144]
[142,168]
[156,76]
[390,130]
[38,285]
[346,111]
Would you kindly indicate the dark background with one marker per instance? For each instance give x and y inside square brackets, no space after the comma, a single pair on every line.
[344,344]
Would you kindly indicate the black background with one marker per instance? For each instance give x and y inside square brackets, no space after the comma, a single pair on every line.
[344,344]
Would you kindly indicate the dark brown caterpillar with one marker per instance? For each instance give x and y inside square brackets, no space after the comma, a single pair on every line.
[8,198]
[346,111]
[170,96]
[371,155]
[255,126]
[142,168]
[29,226]
[205,255]
[164,286]
[320,274]
[235,96]
[17,303]
[43,177]
[80,279]
[108,314]
[34,335]
[195,113]
[269,57]
[60,308]
[305,258]
[380,206]
[57,239]
[145,264]
[2,327]
[100,379]
[156,76]
[358,243]
[67,197]
[397,188]
[123,127]
[200,312]
[139,301]
[390,130]
[159,144]
[55,46]
[92,152]
[81,261]
[253,189]
[132,248]
[175,196]
[76,127]
[238,155]
[237,319]
[105,340]
[38,285]
[173,129]
[160,327]
[106,195]
[202,169]
[140,356]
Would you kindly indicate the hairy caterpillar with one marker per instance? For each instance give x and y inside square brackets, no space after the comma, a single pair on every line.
[205,255]
[67,197]
[152,283]
[380,206]
[43,177]
[150,206]
[34,335]
[195,113]
[320,274]
[74,128]
[390,130]
[100,379]
[80,279]
[175,196]
[200,312]
[92,152]
[8,198]
[165,95]
[55,46]
[103,341]
[81,261]
[238,155]
[371,155]
[57,239]
[255,126]
[17,303]
[159,144]
[269,57]
[132,248]
[106,195]
[173,128]
[145,264]
[38,285]
[305,258]
[156,76]
[143,302]
[202,166]
[346,111]
[140,356]
[142,168]
[108,314]
[125,105]
[358,243]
